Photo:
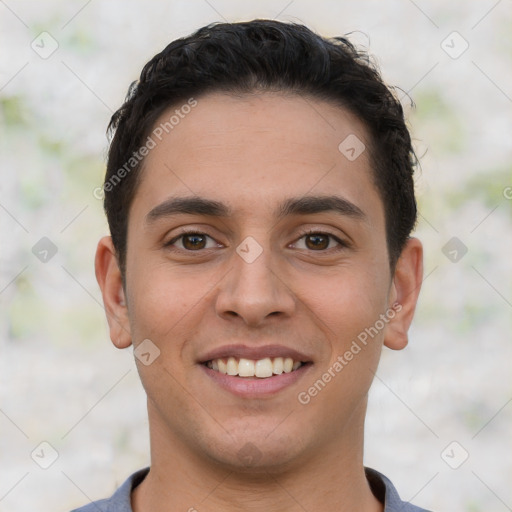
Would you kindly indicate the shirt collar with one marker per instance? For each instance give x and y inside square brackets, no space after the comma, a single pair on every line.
[381,487]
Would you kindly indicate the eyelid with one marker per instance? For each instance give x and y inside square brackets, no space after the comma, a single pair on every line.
[342,243]
[189,231]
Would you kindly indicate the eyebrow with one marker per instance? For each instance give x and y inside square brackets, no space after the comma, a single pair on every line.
[192,205]
[294,206]
[317,204]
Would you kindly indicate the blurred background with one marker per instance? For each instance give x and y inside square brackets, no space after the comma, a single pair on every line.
[72,412]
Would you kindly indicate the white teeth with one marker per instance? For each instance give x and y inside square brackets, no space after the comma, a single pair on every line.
[262,368]
[232,366]
[288,365]
[223,367]
[278,365]
[246,367]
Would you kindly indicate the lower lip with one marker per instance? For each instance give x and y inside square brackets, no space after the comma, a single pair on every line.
[254,387]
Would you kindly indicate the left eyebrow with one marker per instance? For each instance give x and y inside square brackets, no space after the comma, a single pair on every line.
[317,204]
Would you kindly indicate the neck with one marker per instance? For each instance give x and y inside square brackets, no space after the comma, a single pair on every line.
[332,478]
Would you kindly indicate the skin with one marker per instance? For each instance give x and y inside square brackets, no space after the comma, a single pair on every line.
[252,153]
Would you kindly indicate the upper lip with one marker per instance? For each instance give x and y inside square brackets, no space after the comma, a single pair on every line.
[255,353]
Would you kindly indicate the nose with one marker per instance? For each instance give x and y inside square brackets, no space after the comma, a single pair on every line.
[254,291]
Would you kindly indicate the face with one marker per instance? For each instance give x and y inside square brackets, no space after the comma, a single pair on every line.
[256,245]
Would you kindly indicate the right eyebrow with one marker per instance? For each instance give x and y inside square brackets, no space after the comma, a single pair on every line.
[187,205]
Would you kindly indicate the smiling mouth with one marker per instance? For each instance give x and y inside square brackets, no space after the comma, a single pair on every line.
[260,368]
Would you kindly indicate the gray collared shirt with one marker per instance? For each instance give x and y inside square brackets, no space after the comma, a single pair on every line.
[381,487]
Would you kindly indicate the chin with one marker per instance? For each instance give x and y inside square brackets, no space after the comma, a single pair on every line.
[256,453]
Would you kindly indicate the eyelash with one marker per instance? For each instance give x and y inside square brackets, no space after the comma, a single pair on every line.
[183,234]
[341,243]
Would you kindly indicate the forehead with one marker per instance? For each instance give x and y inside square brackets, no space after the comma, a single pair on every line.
[253,150]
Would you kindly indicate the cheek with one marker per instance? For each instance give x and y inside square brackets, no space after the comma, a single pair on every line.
[348,306]
[163,309]
[348,301]
[345,308]
[160,302]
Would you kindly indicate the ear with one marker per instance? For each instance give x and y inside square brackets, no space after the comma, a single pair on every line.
[109,278]
[404,292]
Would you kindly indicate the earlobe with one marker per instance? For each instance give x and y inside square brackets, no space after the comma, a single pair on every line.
[109,279]
[404,293]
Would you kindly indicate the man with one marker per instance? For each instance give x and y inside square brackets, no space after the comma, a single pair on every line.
[259,192]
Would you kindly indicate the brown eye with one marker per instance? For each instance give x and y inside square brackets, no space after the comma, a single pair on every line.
[194,241]
[320,242]
[317,241]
